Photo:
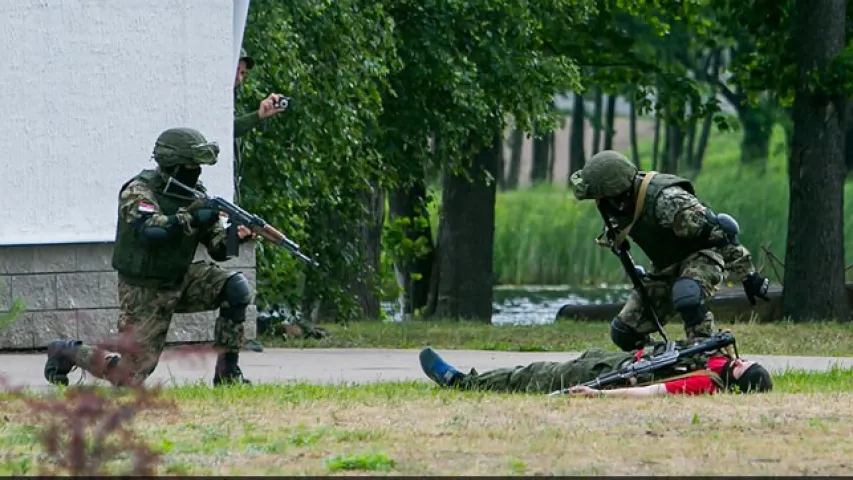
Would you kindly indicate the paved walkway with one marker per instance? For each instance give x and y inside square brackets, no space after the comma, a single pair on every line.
[346,365]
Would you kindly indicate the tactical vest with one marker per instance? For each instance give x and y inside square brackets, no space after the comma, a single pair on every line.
[660,244]
[163,266]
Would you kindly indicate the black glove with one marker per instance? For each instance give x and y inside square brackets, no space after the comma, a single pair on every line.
[204,217]
[756,286]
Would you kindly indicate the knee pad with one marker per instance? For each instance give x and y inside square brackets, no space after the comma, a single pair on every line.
[626,337]
[235,297]
[688,302]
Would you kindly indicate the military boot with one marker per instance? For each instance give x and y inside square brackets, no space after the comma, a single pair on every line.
[60,361]
[227,370]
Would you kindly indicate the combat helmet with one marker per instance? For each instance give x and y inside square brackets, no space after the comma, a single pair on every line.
[607,174]
[184,146]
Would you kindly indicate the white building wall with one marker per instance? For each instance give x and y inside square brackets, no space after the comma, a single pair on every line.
[87,87]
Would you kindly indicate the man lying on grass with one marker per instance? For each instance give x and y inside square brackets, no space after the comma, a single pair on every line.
[704,373]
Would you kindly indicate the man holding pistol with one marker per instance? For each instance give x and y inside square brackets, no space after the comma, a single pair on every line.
[691,248]
[156,239]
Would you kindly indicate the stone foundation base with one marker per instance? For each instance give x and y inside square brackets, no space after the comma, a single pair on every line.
[70,291]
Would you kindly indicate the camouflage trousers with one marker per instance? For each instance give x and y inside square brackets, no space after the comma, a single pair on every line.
[546,377]
[705,267]
[147,313]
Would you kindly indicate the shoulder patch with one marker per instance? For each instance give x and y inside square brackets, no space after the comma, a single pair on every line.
[145,207]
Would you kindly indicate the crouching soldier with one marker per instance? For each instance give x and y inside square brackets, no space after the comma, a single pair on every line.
[705,373]
[156,239]
[692,249]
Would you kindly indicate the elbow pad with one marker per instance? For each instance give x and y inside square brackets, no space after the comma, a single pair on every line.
[155,236]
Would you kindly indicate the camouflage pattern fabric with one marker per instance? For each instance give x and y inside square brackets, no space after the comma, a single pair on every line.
[149,312]
[678,209]
[699,267]
[137,203]
[546,377]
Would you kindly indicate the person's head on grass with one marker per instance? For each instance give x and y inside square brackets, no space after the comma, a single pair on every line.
[746,376]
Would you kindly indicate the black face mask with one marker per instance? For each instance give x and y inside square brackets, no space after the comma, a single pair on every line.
[620,205]
[187,176]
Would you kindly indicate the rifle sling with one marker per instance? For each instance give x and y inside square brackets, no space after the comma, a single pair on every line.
[638,208]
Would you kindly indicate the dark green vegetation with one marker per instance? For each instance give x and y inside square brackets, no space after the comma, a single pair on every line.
[421,100]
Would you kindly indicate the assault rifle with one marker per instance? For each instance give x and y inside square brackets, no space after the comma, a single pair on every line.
[237,216]
[630,267]
[671,355]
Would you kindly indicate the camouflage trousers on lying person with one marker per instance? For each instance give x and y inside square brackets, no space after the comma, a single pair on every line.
[546,377]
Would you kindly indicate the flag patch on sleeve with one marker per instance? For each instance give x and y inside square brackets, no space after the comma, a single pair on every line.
[145,207]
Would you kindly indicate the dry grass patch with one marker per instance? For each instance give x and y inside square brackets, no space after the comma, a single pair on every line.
[415,429]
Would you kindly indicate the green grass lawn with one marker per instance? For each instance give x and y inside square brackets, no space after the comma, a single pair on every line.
[416,428]
[783,338]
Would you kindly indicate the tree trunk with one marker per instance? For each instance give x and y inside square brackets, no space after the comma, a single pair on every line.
[577,153]
[689,158]
[365,288]
[757,124]
[609,126]
[674,143]
[699,156]
[656,144]
[814,255]
[413,271]
[848,137]
[466,236]
[516,145]
[596,120]
[632,133]
[552,155]
[541,151]
[501,178]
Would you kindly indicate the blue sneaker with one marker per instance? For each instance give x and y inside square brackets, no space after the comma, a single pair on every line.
[437,369]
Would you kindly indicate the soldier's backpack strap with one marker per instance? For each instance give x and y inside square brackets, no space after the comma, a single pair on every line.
[638,207]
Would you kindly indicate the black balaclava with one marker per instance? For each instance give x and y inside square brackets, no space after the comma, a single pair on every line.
[755,379]
[187,176]
[620,205]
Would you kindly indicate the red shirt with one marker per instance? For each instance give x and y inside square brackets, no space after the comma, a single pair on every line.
[700,384]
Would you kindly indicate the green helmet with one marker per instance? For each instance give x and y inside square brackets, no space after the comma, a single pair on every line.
[183,146]
[607,174]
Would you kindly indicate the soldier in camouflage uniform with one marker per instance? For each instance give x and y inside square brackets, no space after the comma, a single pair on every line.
[692,249]
[245,123]
[695,375]
[156,239]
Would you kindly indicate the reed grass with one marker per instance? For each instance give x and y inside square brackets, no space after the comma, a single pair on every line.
[543,236]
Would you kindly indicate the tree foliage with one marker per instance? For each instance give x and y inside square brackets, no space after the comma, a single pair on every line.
[305,166]
[393,95]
